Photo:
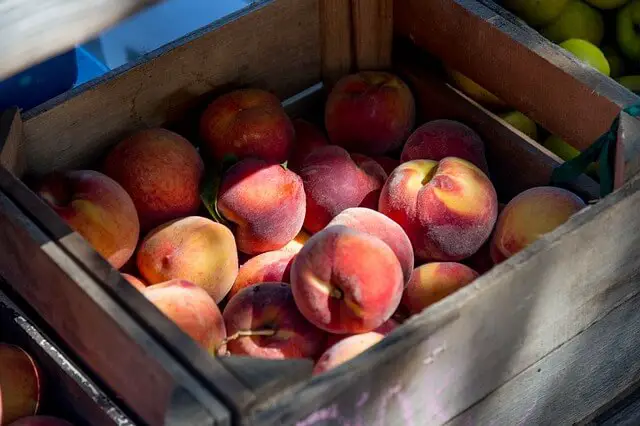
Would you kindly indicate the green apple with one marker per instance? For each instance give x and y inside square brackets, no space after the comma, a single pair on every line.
[607,4]
[628,38]
[522,123]
[588,53]
[631,82]
[577,20]
[536,12]
[616,63]
[567,152]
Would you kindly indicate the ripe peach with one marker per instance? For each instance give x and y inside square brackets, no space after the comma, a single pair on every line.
[438,139]
[266,202]
[136,282]
[388,164]
[346,350]
[161,171]
[346,281]
[432,282]
[40,421]
[308,137]
[19,382]
[387,327]
[272,266]
[193,248]
[294,246]
[247,123]
[379,225]
[370,112]
[192,309]
[334,181]
[262,321]
[529,215]
[447,208]
[96,207]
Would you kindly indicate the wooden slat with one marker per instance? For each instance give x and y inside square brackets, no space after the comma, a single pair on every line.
[335,39]
[272,45]
[372,33]
[11,157]
[32,31]
[461,349]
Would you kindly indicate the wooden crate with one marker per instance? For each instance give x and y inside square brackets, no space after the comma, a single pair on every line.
[548,336]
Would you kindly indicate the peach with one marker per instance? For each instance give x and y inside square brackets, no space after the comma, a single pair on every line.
[96,207]
[40,421]
[387,163]
[192,309]
[379,225]
[262,321]
[265,202]
[529,215]
[438,139]
[432,282]
[447,208]
[294,246]
[387,327]
[19,382]
[161,171]
[247,123]
[136,282]
[195,249]
[308,137]
[346,281]
[334,181]
[346,350]
[272,266]
[370,112]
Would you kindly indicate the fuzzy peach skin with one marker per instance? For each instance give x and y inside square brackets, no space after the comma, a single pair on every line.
[96,207]
[432,282]
[346,281]
[192,309]
[447,208]
[194,248]
[334,181]
[294,246]
[379,225]
[247,123]
[345,350]
[266,204]
[387,327]
[20,384]
[161,171]
[136,282]
[370,112]
[438,139]
[529,215]
[272,266]
[40,421]
[308,137]
[262,321]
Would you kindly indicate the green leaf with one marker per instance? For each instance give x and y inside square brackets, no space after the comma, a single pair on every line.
[209,192]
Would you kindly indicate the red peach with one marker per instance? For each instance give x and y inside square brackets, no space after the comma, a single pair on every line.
[379,225]
[294,246]
[334,181]
[194,248]
[192,309]
[161,171]
[136,282]
[346,281]
[20,384]
[387,327]
[265,202]
[447,208]
[371,112]
[272,266]
[262,321]
[308,137]
[247,123]
[40,421]
[432,282]
[530,215]
[346,350]
[96,207]
[438,139]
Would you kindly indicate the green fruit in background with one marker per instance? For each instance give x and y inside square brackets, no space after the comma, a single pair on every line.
[631,82]
[607,4]
[522,123]
[577,20]
[628,38]
[475,91]
[587,53]
[616,63]
[536,12]
[567,152]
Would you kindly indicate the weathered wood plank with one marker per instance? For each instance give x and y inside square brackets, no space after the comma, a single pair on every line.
[32,31]
[335,39]
[272,45]
[372,33]
[11,157]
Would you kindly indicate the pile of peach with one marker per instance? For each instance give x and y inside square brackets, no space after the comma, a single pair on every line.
[21,390]
[322,240]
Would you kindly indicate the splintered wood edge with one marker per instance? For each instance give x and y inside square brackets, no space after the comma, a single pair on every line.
[11,157]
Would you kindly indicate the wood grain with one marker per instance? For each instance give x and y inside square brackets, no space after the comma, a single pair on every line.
[32,31]
[11,157]
[272,45]
[335,40]
[372,33]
